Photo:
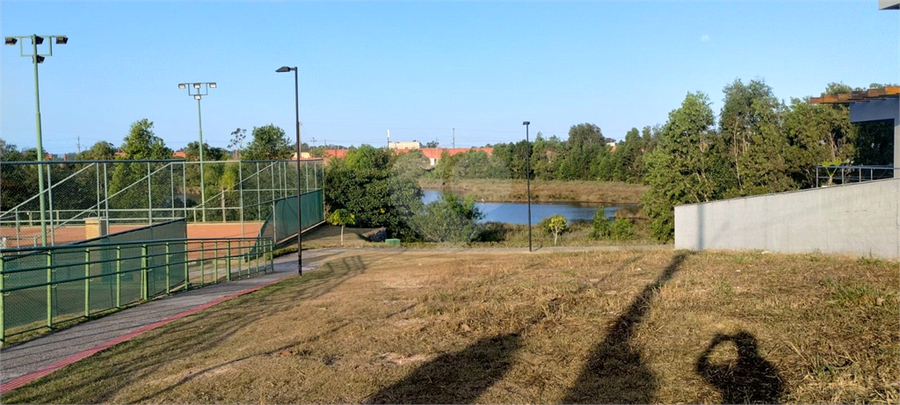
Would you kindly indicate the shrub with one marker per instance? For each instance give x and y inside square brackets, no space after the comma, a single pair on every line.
[621,229]
[554,225]
[601,226]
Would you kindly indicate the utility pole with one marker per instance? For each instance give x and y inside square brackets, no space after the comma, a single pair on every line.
[78,143]
[389,139]
[454,138]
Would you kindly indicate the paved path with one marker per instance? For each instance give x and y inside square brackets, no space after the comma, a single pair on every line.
[36,358]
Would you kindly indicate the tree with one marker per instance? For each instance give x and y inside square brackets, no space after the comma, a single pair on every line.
[366,186]
[600,227]
[432,144]
[554,225]
[817,133]
[269,143]
[237,141]
[140,144]
[100,151]
[192,152]
[684,167]
[342,217]
[449,219]
[751,133]
[9,152]
[411,164]
[585,145]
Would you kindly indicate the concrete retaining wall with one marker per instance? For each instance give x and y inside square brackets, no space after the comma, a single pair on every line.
[861,219]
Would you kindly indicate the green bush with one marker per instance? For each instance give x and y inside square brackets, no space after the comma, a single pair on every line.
[622,229]
[601,226]
[449,220]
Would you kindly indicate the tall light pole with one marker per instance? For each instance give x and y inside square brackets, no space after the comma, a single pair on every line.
[528,178]
[38,58]
[198,90]
[285,69]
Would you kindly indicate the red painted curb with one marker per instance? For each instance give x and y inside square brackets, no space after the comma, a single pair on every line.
[27,378]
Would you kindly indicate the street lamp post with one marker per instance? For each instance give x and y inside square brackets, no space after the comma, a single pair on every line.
[528,178]
[285,69]
[198,90]
[38,58]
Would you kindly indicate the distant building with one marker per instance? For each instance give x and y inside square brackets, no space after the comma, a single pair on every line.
[434,154]
[404,145]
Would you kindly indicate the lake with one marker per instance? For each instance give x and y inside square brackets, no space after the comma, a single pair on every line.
[517,213]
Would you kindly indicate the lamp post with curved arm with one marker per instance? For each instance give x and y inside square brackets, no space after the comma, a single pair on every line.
[285,69]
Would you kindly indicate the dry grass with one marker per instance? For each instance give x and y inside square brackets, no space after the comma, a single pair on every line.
[611,192]
[599,327]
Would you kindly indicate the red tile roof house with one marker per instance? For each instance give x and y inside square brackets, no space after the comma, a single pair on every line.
[434,154]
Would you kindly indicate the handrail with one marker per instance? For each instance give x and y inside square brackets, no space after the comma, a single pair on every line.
[193,263]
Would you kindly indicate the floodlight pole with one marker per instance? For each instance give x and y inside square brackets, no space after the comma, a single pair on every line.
[284,69]
[194,90]
[528,178]
[36,59]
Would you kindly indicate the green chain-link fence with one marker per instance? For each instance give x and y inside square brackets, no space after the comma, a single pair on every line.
[282,224]
[130,194]
[45,286]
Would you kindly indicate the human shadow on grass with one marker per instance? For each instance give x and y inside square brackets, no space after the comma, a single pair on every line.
[749,379]
[615,372]
[113,369]
[455,378]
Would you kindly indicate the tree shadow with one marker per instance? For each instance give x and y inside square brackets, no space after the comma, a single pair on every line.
[615,372]
[455,378]
[749,379]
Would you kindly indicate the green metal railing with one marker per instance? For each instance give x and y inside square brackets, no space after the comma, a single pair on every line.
[46,286]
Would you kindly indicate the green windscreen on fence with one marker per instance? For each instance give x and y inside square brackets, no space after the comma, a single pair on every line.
[282,222]
[84,275]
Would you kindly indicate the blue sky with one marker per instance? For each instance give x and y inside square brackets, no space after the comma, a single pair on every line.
[419,69]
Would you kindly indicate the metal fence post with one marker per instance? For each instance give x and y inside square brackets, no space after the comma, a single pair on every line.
[258,248]
[187,274]
[50,198]
[87,282]
[145,262]
[49,288]
[119,276]
[2,308]
[150,196]
[227,259]
[168,280]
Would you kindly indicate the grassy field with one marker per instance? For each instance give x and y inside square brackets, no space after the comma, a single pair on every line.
[611,192]
[598,327]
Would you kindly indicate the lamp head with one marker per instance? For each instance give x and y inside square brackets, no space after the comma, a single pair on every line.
[283,69]
[38,40]
[196,96]
[62,40]
[11,40]
[526,122]
[196,85]
[182,86]
[40,59]
[212,85]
